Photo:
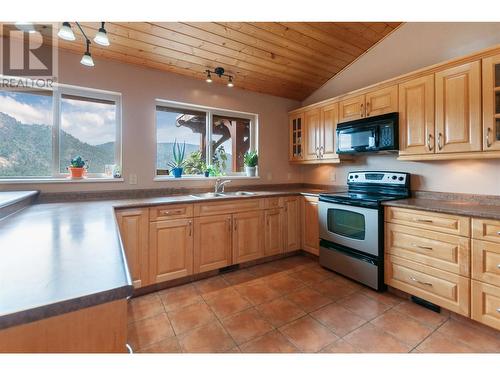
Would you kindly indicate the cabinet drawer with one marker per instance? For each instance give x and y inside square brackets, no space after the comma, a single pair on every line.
[227,207]
[443,251]
[488,230]
[171,211]
[275,202]
[486,262]
[485,304]
[440,287]
[451,224]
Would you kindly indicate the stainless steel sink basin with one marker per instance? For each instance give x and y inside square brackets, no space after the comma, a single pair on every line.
[207,195]
[239,193]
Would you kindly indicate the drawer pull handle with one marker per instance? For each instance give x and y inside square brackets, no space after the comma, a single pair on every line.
[498,232]
[424,220]
[420,282]
[422,247]
[172,212]
[498,266]
[498,310]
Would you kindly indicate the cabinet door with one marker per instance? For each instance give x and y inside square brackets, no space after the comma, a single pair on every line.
[382,101]
[416,116]
[212,242]
[327,133]
[491,103]
[134,225]
[352,109]
[274,231]
[171,249]
[312,121]
[248,239]
[292,223]
[310,225]
[458,108]
[296,125]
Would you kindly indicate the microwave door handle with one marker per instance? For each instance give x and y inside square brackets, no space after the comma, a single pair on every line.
[376,136]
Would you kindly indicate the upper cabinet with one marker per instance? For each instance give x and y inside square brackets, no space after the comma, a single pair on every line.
[458,108]
[312,128]
[416,116]
[491,103]
[374,103]
[296,130]
[329,117]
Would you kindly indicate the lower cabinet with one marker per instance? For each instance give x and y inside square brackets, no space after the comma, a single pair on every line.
[274,231]
[486,304]
[310,225]
[292,223]
[248,241]
[170,249]
[134,225]
[212,242]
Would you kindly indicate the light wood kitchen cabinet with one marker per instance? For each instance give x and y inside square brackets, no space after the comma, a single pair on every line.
[292,223]
[416,116]
[296,131]
[373,103]
[352,108]
[486,262]
[134,230]
[310,225]
[381,101]
[170,249]
[212,242]
[458,108]
[273,231]
[485,229]
[485,304]
[329,117]
[491,103]
[248,236]
[312,134]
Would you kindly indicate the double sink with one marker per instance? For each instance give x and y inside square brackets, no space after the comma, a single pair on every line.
[222,195]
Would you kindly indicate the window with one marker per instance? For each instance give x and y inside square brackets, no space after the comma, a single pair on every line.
[41,131]
[212,137]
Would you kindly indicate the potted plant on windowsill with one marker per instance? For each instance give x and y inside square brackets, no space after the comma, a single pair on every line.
[77,168]
[251,159]
[178,159]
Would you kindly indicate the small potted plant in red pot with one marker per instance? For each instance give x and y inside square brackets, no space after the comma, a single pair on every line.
[77,168]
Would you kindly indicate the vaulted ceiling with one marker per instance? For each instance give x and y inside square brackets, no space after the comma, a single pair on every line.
[290,59]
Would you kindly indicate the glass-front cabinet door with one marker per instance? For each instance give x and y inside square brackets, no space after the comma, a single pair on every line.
[296,152]
[491,103]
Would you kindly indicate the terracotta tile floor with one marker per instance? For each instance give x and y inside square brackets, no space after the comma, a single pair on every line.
[294,305]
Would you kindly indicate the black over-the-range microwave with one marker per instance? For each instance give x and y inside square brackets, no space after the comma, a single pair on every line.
[371,134]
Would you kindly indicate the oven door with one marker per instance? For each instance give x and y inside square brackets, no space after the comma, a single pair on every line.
[350,226]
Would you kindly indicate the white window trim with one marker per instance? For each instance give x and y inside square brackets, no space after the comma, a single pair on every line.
[210,111]
[58,90]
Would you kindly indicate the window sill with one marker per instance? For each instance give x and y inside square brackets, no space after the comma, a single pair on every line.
[59,180]
[199,178]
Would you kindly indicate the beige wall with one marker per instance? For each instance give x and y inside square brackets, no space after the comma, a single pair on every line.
[140,87]
[414,46]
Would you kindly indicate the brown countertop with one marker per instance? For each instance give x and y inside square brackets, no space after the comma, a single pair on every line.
[61,257]
[456,207]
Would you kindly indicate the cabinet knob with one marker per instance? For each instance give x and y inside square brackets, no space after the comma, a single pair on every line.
[440,146]
[488,142]
[429,142]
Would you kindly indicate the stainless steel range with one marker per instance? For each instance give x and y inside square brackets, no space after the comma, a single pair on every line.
[351,225]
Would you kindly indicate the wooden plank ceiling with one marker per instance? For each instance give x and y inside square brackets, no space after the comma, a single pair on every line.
[290,59]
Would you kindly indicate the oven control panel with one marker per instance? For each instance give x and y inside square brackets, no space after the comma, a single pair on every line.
[375,177]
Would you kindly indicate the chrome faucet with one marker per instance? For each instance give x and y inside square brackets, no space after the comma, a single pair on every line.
[219,185]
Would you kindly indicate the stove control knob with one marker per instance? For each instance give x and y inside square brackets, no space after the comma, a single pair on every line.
[400,178]
[394,177]
[356,176]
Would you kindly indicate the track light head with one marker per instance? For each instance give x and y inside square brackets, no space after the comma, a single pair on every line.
[101,37]
[209,77]
[65,32]
[87,59]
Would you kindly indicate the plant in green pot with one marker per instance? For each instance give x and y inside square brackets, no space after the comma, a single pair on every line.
[251,159]
[77,168]
[177,162]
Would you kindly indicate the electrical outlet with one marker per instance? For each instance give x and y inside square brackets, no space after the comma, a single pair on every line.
[269,176]
[132,179]
[289,176]
[333,176]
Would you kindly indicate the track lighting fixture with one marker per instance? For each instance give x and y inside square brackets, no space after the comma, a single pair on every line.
[65,32]
[101,38]
[219,71]
[87,57]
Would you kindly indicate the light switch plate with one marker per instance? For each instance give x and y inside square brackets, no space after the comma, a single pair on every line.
[132,179]
[269,176]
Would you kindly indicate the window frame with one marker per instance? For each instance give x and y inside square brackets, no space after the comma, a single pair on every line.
[210,113]
[58,90]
